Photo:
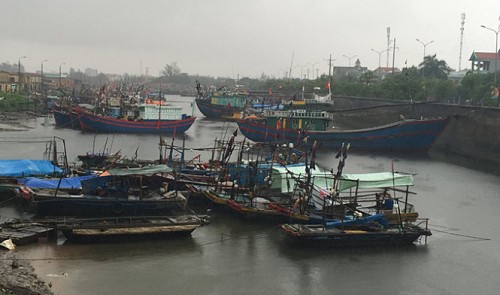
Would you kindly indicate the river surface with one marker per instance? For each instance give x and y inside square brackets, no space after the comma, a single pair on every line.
[235,256]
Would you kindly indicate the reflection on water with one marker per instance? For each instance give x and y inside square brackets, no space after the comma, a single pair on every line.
[234,256]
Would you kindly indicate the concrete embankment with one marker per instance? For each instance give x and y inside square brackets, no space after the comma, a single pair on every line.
[472,138]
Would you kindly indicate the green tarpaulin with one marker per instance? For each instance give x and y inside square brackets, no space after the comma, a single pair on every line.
[375,180]
[324,179]
[282,177]
[147,171]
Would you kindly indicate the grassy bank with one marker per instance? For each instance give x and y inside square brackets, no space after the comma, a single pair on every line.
[15,103]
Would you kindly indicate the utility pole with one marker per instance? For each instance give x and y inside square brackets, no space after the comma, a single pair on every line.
[19,74]
[388,45]
[393,55]
[60,74]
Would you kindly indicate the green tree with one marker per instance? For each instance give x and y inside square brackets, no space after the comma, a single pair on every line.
[171,70]
[368,77]
[431,67]
[476,89]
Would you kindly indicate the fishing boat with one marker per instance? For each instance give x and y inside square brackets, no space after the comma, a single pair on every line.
[66,115]
[221,102]
[85,230]
[296,125]
[267,191]
[369,215]
[66,119]
[366,232]
[121,192]
[152,118]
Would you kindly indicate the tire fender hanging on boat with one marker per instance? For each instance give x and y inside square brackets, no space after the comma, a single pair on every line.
[117,207]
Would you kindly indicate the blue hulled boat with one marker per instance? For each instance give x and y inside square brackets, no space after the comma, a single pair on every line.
[153,118]
[221,102]
[67,116]
[404,135]
[66,119]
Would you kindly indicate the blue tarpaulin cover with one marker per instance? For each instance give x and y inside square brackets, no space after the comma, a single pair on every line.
[66,182]
[26,168]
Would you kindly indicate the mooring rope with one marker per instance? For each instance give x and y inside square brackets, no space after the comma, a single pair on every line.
[460,235]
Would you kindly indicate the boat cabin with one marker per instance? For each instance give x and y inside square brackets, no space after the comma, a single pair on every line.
[300,119]
[151,111]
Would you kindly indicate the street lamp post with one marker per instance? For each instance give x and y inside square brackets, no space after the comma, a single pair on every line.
[425,44]
[379,54]
[60,74]
[19,73]
[349,58]
[496,49]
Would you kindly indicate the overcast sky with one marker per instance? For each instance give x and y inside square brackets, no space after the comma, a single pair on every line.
[239,38]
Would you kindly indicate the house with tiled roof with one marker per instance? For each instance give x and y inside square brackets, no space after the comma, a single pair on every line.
[484,62]
[383,72]
[355,71]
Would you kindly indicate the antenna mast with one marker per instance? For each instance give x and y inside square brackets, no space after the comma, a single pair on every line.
[461,42]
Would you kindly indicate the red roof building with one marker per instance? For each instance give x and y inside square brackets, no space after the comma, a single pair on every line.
[485,61]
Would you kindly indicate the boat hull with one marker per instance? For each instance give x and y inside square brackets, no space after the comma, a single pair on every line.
[128,228]
[336,238]
[213,111]
[66,119]
[408,135]
[97,123]
[102,207]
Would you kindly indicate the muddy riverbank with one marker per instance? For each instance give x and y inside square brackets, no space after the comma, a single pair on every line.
[17,277]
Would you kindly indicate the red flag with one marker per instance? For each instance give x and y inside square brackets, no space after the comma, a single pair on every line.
[278,124]
[327,85]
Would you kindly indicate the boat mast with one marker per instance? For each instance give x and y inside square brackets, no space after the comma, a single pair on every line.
[330,70]
[159,124]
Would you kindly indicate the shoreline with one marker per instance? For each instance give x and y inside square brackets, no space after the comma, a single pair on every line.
[10,121]
[18,277]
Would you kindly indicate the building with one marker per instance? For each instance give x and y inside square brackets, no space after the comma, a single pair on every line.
[90,72]
[484,62]
[32,82]
[8,82]
[383,72]
[355,71]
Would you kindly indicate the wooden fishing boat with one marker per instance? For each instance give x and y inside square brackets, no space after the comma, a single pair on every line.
[355,235]
[375,219]
[98,123]
[129,228]
[270,194]
[296,125]
[123,192]
[66,114]
[221,102]
[66,119]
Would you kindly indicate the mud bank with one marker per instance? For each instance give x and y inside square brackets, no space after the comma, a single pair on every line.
[18,277]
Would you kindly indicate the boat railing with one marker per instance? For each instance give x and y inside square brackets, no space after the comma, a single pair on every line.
[303,114]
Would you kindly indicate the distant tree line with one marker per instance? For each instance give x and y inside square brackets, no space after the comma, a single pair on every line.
[12,68]
[427,82]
